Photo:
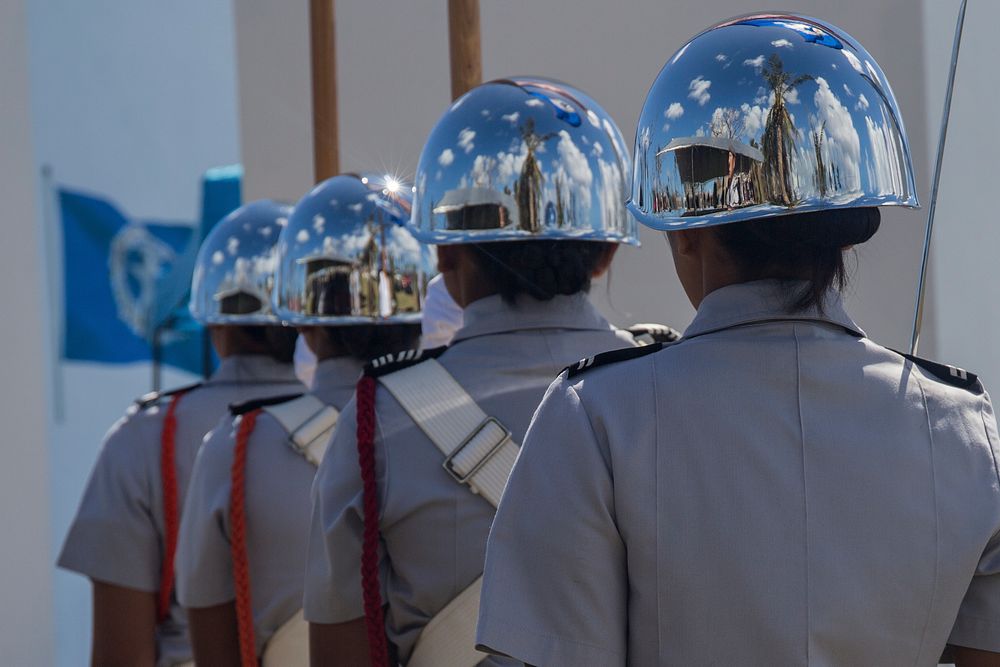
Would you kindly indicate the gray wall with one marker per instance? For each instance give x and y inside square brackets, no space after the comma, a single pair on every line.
[393,83]
[26,629]
[964,299]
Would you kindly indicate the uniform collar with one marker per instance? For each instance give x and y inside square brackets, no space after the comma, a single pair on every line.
[252,368]
[761,301]
[337,373]
[493,315]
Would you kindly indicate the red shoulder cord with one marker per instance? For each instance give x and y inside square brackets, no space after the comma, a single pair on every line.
[238,541]
[171,513]
[374,621]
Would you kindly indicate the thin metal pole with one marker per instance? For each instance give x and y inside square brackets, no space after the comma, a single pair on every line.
[464,46]
[323,52]
[918,313]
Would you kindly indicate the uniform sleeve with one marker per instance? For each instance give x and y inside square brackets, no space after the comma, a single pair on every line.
[978,622]
[204,565]
[114,537]
[333,566]
[555,585]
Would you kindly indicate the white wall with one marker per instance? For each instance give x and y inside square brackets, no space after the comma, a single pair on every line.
[133,101]
[393,85]
[25,575]
[964,297]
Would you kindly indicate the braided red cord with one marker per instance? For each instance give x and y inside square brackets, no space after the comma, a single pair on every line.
[171,513]
[238,541]
[374,621]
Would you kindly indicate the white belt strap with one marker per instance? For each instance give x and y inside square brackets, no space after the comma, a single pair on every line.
[449,640]
[309,423]
[289,645]
[479,451]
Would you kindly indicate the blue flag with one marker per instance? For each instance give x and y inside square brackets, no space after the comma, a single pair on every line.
[113,270]
[127,282]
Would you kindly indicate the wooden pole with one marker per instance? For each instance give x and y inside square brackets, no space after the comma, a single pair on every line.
[323,52]
[464,46]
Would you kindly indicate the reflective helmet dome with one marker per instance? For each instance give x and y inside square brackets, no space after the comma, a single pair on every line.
[767,115]
[234,272]
[519,159]
[346,256]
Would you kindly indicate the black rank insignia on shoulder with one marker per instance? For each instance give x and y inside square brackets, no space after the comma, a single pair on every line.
[613,357]
[154,397]
[952,375]
[237,409]
[646,334]
[390,363]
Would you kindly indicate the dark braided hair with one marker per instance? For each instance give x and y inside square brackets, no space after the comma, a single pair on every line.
[368,341]
[808,246]
[540,268]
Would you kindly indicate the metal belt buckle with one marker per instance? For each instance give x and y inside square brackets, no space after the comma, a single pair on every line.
[464,479]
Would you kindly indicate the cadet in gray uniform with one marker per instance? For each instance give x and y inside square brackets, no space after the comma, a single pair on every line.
[125,532]
[352,278]
[775,488]
[517,248]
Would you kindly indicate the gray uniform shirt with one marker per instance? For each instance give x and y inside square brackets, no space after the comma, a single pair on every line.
[434,529]
[117,536]
[764,492]
[278,480]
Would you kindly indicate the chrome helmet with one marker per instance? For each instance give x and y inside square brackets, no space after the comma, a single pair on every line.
[346,256]
[234,272]
[765,115]
[543,156]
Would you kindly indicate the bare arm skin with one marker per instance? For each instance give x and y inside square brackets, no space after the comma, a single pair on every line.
[341,645]
[972,657]
[124,633]
[215,635]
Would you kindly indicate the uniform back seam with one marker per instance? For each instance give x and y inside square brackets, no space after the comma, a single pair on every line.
[937,527]
[990,444]
[805,490]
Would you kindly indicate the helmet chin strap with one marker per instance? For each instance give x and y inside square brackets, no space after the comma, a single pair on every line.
[918,312]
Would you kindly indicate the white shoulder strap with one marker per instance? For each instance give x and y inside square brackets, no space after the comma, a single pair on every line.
[479,451]
[309,423]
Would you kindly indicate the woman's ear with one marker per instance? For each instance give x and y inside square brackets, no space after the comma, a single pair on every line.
[684,242]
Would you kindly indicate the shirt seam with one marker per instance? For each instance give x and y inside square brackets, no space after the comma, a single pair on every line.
[656,512]
[608,464]
[937,527]
[989,442]
[805,491]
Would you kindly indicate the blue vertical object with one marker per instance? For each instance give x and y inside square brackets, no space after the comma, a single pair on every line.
[221,194]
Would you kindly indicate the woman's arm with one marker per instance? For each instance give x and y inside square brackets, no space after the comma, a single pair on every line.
[341,644]
[124,632]
[214,635]
[972,657]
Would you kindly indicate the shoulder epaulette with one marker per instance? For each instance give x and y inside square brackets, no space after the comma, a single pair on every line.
[390,363]
[953,375]
[645,334]
[237,409]
[612,357]
[154,397]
